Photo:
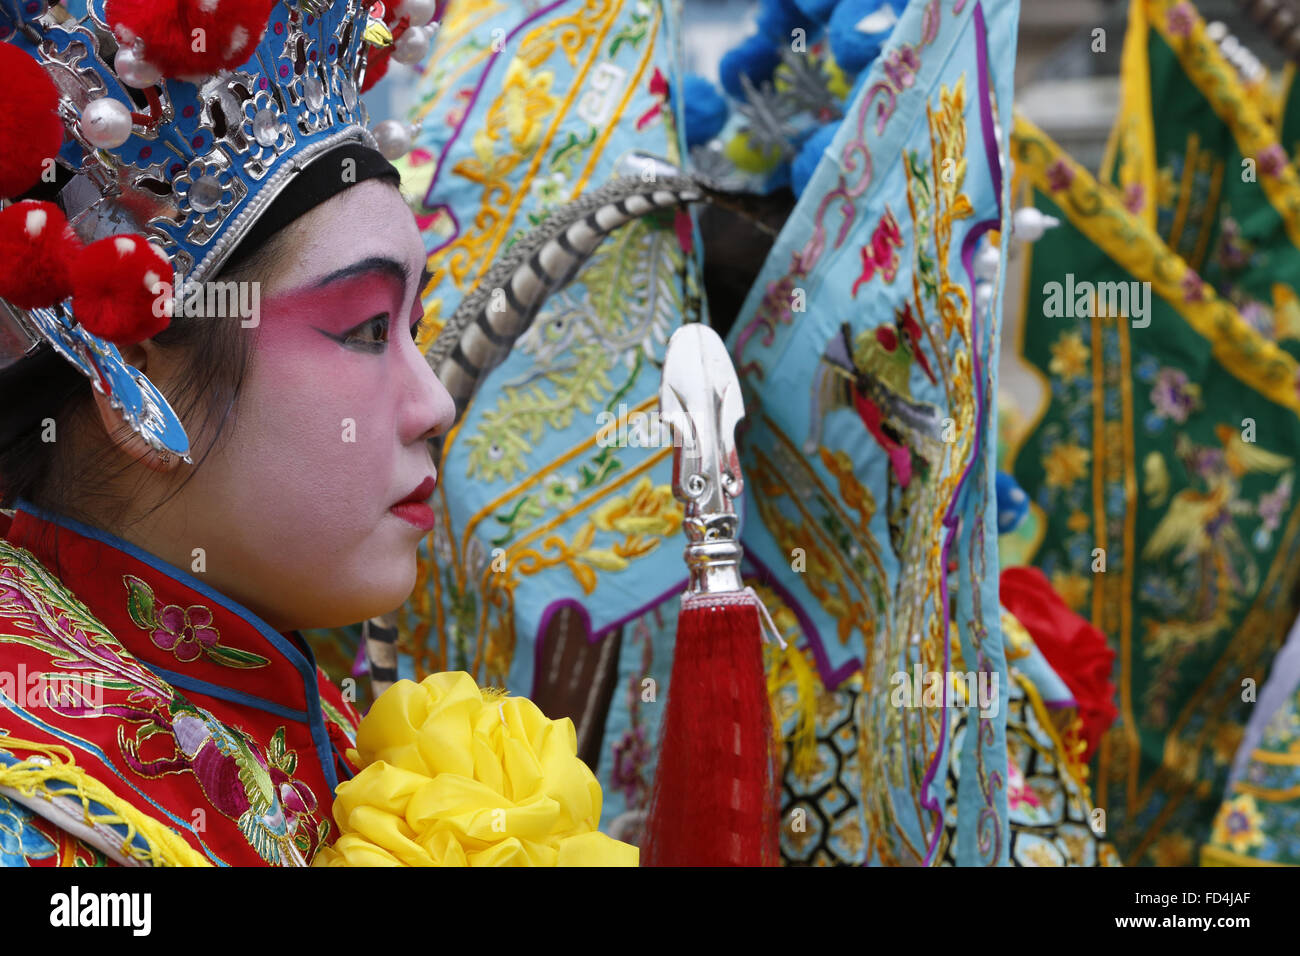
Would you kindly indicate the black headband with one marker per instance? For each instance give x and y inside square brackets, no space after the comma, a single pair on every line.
[323,178]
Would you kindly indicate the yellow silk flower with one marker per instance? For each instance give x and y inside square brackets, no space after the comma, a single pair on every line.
[457,776]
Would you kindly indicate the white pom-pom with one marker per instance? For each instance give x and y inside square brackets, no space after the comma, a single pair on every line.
[124,245]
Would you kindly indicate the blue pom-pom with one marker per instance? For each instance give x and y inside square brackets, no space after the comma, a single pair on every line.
[778,19]
[1013,503]
[809,155]
[756,58]
[779,178]
[859,29]
[819,11]
[704,109]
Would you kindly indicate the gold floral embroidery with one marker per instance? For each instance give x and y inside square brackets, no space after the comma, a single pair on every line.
[1237,824]
[1065,464]
[1069,356]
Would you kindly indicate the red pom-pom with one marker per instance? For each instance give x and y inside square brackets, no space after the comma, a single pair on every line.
[38,248]
[376,67]
[191,38]
[121,290]
[30,129]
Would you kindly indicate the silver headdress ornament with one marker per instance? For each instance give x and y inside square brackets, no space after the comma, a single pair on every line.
[189,163]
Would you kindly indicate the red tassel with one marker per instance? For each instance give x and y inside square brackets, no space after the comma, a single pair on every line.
[30,129]
[715,796]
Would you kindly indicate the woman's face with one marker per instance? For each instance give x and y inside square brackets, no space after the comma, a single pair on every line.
[294,508]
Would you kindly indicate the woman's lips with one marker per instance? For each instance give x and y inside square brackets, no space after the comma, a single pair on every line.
[416,513]
[414,508]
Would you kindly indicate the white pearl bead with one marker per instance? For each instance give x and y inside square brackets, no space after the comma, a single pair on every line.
[394,139]
[986,263]
[420,11]
[106,123]
[1028,224]
[134,71]
[412,46]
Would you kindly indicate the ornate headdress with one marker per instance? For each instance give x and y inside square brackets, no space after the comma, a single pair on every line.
[180,123]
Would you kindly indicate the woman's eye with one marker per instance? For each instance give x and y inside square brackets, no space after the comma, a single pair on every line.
[370,335]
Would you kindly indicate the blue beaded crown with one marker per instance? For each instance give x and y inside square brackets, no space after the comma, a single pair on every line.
[217,152]
[204,159]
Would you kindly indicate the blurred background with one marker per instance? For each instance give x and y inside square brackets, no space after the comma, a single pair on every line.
[1064,87]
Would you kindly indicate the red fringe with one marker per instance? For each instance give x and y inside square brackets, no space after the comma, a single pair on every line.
[715,795]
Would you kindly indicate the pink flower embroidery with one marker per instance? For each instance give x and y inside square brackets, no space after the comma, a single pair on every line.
[1018,794]
[1193,287]
[1059,176]
[1272,159]
[184,631]
[1134,198]
[1181,19]
[901,66]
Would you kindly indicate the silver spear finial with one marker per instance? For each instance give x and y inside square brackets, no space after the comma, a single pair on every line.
[700,398]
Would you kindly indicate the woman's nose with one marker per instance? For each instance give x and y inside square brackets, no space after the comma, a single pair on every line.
[429,411]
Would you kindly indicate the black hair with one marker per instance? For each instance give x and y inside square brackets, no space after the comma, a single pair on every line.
[42,387]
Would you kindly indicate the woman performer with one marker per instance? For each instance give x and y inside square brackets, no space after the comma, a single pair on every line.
[157,703]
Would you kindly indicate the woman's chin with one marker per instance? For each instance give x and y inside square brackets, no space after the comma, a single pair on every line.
[379,594]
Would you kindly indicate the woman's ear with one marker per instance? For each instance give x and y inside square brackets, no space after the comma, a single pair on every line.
[122,435]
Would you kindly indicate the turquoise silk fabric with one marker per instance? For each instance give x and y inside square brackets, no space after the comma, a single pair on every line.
[869,525]
[868,358]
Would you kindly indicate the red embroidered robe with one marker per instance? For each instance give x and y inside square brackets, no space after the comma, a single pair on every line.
[120,668]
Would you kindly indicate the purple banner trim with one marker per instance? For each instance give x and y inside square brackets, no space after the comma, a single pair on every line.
[673,592]
[951,520]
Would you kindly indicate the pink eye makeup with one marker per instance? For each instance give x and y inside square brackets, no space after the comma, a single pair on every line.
[373,289]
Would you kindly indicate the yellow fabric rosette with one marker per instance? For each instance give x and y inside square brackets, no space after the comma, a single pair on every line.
[457,776]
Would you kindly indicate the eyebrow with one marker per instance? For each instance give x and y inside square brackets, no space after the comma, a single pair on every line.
[383,264]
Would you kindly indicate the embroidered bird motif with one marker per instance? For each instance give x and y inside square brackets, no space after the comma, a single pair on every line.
[871,375]
[1242,456]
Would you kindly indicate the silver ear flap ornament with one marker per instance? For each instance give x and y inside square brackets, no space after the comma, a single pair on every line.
[129,391]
